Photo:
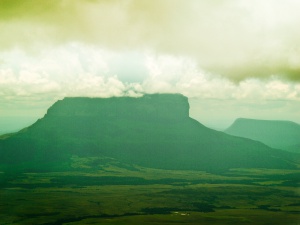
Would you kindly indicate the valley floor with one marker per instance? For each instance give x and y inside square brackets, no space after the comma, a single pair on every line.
[134,195]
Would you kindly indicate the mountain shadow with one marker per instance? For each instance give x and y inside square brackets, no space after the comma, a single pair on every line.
[151,131]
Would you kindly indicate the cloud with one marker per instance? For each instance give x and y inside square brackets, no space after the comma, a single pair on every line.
[31,83]
[26,83]
[81,70]
[177,74]
[237,39]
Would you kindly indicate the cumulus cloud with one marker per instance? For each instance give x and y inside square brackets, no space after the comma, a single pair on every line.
[237,39]
[171,74]
[80,70]
[26,83]
[29,84]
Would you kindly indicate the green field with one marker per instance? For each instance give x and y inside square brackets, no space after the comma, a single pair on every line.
[114,193]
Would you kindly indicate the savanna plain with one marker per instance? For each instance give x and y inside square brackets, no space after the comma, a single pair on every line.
[101,190]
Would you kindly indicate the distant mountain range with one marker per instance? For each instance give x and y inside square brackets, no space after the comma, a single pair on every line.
[276,134]
[152,131]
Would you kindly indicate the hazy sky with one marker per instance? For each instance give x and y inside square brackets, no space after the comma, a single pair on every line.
[232,58]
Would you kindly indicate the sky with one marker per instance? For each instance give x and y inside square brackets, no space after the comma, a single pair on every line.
[231,58]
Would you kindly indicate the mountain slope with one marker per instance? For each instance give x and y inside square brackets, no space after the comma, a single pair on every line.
[277,134]
[152,131]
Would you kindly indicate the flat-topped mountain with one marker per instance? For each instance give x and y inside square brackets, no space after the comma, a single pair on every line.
[156,106]
[152,131]
[277,134]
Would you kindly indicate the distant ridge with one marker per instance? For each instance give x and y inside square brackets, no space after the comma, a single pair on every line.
[152,131]
[274,133]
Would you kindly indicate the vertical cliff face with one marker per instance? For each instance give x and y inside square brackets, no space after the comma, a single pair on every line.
[277,134]
[155,106]
[117,126]
[152,131]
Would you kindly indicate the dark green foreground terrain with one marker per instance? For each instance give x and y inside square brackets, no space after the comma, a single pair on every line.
[116,193]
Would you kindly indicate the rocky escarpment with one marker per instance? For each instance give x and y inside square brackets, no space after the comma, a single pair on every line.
[152,131]
[274,133]
[155,106]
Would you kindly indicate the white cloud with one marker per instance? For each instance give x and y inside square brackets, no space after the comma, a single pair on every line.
[94,86]
[25,83]
[237,39]
[171,74]
[29,84]
[233,54]
[76,69]
[270,89]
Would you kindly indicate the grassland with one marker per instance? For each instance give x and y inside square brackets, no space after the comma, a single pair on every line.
[104,191]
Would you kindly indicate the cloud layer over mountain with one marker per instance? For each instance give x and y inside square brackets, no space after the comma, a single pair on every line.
[234,38]
[220,51]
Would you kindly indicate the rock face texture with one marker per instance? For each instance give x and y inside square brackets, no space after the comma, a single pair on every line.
[152,131]
[276,134]
[157,106]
